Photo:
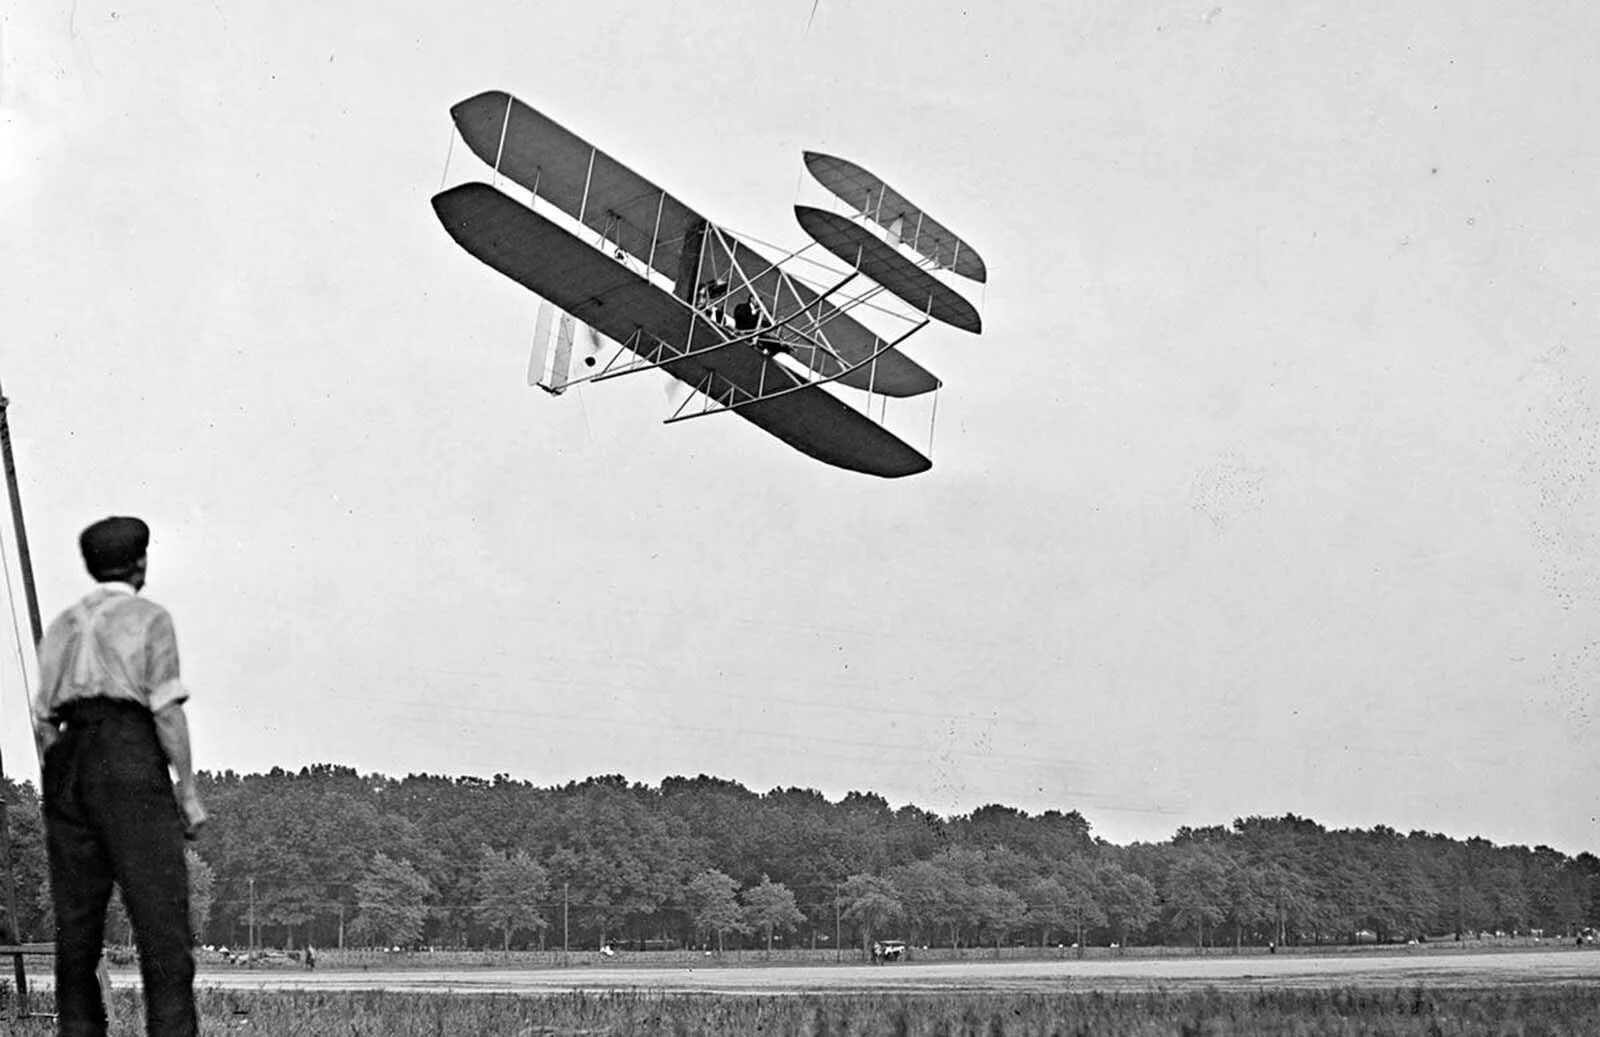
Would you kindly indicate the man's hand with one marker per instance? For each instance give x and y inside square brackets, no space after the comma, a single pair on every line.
[44,736]
[194,814]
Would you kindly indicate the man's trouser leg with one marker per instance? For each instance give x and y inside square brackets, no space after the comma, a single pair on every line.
[80,886]
[143,832]
[156,889]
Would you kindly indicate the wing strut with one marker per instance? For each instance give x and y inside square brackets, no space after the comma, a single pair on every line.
[731,402]
[588,180]
[505,124]
[657,356]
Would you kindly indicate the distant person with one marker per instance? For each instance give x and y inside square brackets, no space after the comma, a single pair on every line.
[108,722]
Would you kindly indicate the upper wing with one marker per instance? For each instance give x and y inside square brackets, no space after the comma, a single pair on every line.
[541,256]
[879,260]
[890,209]
[577,177]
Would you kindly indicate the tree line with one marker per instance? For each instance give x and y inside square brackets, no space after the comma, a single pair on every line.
[330,857]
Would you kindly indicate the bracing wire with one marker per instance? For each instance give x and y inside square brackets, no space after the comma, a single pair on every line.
[856,301]
[449,152]
[16,630]
[829,269]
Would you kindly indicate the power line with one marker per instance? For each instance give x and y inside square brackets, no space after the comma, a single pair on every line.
[655,725]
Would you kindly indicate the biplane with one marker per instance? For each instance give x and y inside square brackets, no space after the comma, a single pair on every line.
[671,291]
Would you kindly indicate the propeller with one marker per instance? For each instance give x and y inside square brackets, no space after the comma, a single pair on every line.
[577,356]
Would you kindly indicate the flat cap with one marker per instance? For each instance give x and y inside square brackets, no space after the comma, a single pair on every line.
[114,543]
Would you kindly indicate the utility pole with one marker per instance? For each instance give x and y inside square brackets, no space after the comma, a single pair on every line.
[13,932]
[565,906]
[252,914]
[24,559]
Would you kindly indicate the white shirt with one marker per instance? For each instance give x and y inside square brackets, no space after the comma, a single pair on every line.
[112,644]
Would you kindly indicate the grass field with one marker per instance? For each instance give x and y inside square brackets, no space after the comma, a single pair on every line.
[1526,993]
[1537,1010]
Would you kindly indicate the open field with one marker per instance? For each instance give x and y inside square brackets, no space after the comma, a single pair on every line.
[1505,968]
[1551,992]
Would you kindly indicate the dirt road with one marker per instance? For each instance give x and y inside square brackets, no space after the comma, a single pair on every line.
[1401,969]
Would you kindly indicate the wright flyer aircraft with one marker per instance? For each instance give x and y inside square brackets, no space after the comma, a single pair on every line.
[634,280]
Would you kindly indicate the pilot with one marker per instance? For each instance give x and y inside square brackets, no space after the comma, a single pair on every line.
[716,296]
[745,317]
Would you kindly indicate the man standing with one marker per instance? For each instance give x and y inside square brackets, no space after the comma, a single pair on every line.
[109,722]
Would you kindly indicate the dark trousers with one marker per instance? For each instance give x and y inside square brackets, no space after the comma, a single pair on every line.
[111,817]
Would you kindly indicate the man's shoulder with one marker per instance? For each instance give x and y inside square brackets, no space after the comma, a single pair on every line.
[126,608]
[61,626]
[123,608]
[67,619]
[141,607]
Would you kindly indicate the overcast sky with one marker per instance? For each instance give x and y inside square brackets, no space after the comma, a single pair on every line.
[1273,483]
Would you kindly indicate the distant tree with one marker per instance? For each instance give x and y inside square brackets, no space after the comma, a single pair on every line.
[1196,892]
[967,879]
[1508,898]
[1288,894]
[997,912]
[769,907]
[1128,899]
[1586,867]
[930,896]
[1046,899]
[202,883]
[870,902]
[1556,889]
[1245,900]
[393,904]
[1405,898]
[617,852]
[714,906]
[295,847]
[1081,908]
[509,889]
[1050,836]
[36,919]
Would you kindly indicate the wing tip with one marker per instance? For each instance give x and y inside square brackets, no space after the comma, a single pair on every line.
[811,216]
[479,100]
[916,464]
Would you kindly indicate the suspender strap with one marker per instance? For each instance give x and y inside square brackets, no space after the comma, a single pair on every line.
[86,664]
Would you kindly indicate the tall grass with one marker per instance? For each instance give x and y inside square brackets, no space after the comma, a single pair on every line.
[1552,1011]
